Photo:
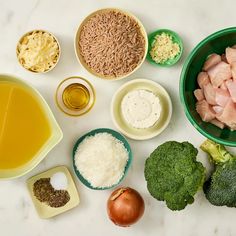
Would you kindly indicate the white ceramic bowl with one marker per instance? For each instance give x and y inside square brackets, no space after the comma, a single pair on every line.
[80,57]
[158,127]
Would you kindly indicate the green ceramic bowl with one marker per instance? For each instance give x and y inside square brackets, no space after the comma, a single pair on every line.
[175,37]
[117,136]
[215,43]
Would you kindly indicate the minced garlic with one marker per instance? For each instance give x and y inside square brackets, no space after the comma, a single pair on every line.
[163,48]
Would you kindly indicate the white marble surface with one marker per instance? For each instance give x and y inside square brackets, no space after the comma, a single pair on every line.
[193,20]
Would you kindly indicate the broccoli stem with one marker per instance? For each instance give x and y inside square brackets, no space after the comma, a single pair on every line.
[217,151]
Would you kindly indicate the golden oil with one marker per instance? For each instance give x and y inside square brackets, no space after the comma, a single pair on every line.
[76,96]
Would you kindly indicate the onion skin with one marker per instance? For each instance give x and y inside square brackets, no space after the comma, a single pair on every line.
[125,206]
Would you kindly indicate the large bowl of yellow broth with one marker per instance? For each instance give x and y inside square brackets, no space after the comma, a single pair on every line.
[28,129]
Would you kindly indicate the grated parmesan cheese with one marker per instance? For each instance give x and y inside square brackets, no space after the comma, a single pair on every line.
[163,48]
[101,160]
[38,51]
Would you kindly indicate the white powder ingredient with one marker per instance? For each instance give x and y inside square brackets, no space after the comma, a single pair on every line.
[59,181]
[141,108]
[101,160]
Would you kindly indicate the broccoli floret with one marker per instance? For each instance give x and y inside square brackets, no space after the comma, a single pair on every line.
[173,175]
[220,188]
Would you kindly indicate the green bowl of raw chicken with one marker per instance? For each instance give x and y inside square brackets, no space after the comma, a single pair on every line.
[215,43]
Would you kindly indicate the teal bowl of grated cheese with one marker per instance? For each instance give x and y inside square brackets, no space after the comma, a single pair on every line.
[116,136]
[165,48]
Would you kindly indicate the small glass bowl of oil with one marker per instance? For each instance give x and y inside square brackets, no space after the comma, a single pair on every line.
[75,96]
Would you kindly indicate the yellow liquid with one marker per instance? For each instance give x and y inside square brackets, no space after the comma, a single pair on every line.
[24,127]
[76,96]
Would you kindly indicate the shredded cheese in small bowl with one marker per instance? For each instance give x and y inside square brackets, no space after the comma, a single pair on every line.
[165,47]
[38,51]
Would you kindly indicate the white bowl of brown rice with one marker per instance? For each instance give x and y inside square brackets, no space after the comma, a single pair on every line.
[111,43]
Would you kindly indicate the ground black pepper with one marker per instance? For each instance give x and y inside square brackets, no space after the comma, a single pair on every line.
[59,198]
[44,192]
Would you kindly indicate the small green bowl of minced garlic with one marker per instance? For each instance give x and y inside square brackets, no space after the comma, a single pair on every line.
[165,47]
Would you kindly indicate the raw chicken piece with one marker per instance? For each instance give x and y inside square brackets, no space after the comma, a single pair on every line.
[218,123]
[233,70]
[212,60]
[217,109]
[231,85]
[223,86]
[205,111]
[223,58]
[203,79]
[210,94]
[228,116]
[198,93]
[230,55]
[219,73]
[222,97]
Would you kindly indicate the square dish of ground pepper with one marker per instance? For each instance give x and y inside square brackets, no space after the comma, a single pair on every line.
[53,192]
